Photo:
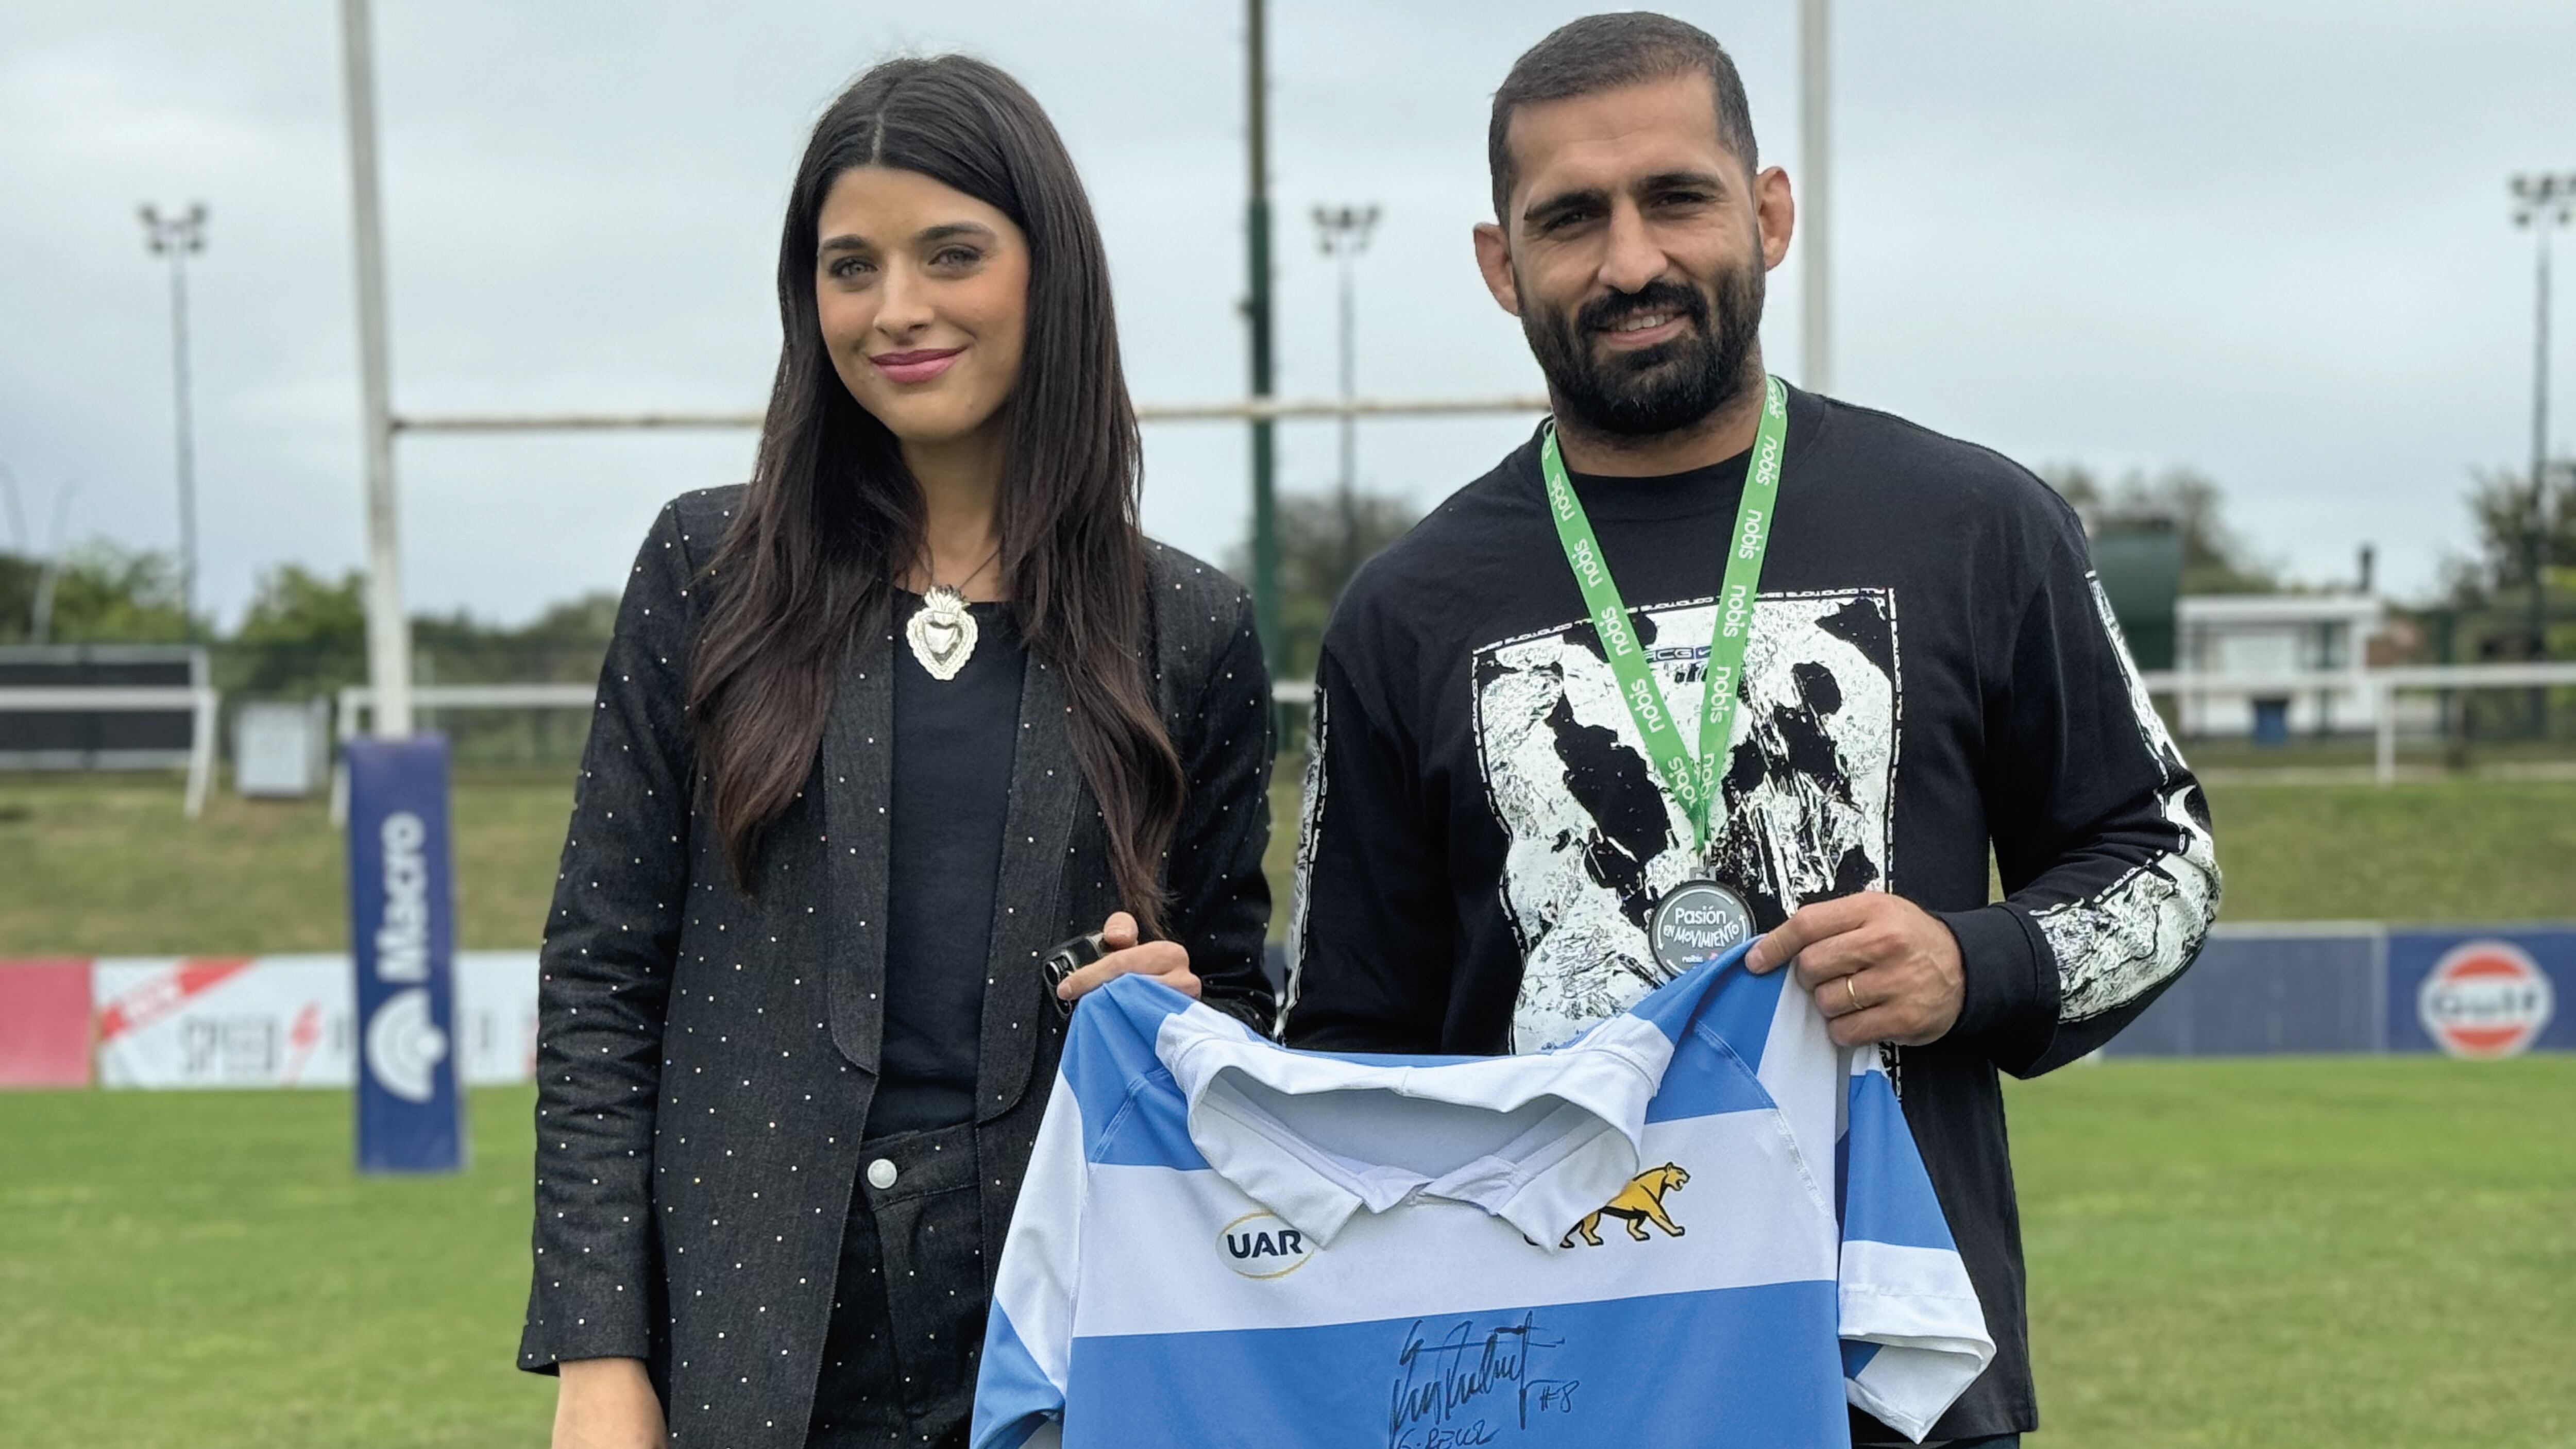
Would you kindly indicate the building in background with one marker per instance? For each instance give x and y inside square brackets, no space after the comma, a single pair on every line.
[2258,638]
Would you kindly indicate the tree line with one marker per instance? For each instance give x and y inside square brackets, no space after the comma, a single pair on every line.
[305,632]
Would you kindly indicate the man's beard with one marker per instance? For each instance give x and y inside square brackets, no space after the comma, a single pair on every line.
[1660,389]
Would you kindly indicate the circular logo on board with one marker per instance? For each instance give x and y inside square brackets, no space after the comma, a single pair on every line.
[2485,999]
[1260,1245]
[404,1047]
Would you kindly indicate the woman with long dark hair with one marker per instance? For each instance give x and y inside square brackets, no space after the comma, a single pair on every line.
[876,732]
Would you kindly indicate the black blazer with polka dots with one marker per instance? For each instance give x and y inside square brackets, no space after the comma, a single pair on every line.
[705,1059]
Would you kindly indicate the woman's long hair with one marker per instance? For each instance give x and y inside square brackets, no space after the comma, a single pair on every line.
[833,517]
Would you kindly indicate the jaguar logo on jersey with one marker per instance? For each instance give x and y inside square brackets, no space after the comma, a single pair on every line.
[2485,999]
[1639,1203]
[1260,1245]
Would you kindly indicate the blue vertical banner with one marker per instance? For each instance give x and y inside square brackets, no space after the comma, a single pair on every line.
[402,926]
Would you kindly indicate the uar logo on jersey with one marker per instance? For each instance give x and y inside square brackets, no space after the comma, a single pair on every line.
[1260,1245]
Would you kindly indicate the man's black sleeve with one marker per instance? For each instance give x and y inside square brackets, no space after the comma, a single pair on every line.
[2101,833]
[1370,971]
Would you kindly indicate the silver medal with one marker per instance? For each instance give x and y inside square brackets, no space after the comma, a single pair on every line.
[941,632]
[1697,922]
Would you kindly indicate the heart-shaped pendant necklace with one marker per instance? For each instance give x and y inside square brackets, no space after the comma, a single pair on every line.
[942,630]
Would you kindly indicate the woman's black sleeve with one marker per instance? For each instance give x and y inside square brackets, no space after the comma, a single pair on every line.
[1220,905]
[610,940]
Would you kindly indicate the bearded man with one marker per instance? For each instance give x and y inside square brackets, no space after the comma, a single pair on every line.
[1710,655]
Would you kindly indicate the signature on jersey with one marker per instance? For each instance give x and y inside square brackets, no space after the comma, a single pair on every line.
[1461,1383]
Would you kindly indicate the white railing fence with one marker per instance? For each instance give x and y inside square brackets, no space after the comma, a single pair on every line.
[2382,685]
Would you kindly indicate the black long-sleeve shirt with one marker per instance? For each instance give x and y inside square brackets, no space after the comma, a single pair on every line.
[1933,671]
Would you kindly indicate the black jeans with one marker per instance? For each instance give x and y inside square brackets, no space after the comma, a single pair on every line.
[908,1309]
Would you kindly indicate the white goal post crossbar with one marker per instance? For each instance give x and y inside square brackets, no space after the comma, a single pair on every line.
[1238,410]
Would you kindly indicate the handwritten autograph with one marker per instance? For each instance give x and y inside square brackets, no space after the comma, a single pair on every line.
[1450,1383]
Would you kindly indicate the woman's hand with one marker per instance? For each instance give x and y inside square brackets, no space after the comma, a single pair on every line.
[607,1403]
[1165,961]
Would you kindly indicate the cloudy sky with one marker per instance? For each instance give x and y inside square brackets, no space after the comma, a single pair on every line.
[2265,238]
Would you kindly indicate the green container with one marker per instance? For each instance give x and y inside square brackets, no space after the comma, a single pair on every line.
[2140,564]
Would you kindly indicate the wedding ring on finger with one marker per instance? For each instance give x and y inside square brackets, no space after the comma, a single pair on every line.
[1852,992]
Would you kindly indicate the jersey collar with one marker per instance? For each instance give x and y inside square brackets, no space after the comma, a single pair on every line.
[1564,1166]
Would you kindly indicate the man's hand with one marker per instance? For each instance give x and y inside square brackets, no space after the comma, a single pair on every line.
[1165,961]
[1880,967]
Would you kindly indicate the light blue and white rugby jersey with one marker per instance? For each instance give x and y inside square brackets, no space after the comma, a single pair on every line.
[1699,1217]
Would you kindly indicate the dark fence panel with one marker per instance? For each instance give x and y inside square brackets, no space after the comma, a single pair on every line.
[96,738]
[2250,994]
[2362,987]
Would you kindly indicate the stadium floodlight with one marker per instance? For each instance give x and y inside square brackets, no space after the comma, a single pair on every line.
[178,238]
[2542,202]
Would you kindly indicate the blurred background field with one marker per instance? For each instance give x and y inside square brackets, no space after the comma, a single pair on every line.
[106,866]
[2364,1251]
[2169,276]
[2222,1253]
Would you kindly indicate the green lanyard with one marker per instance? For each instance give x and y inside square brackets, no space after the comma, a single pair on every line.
[1693,782]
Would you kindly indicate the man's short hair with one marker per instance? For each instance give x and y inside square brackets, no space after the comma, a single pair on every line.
[1602,53]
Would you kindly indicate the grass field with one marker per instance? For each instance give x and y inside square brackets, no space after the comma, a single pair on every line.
[2353,1251]
[108,867]
[2361,1252]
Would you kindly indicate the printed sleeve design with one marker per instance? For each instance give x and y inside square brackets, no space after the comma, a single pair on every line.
[2141,930]
[1310,829]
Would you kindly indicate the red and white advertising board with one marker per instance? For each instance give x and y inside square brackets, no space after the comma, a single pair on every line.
[44,1023]
[496,1017]
[288,1021]
[2485,999]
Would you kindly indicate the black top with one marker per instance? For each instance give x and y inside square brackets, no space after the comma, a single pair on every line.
[1932,668]
[952,788]
[707,1056]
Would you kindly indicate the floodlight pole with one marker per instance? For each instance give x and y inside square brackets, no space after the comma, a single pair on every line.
[388,631]
[1344,233]
[1815,191]
[2542,203]
[179,238]
[40,622]
[1256,311]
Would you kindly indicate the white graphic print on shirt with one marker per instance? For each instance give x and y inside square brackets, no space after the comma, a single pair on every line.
[1804,809]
